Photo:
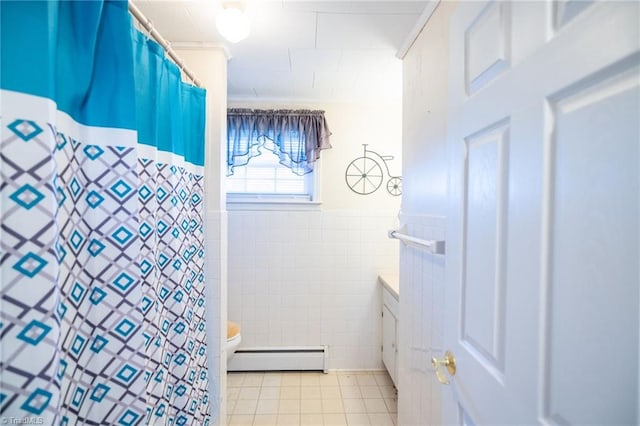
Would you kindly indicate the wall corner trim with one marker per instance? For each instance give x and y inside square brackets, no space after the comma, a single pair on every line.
[417,28]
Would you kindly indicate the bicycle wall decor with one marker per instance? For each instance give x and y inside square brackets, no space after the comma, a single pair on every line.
[365,175]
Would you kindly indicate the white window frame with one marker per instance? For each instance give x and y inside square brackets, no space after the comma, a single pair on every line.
[263,201]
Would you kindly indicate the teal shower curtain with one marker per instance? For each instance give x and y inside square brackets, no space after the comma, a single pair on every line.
[102,307]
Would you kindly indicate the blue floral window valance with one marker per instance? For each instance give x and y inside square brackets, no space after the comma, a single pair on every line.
[296,136]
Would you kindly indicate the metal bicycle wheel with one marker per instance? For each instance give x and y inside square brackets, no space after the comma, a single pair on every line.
[394,186]
[364,175]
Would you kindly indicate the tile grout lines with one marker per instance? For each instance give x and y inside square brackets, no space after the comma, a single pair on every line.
[310,398]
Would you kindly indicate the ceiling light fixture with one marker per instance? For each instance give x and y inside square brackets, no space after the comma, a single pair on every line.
[233,24]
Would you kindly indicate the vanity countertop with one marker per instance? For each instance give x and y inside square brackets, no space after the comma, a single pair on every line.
[391,283]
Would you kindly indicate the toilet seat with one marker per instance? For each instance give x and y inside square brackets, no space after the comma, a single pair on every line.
[233,330]
[234,338]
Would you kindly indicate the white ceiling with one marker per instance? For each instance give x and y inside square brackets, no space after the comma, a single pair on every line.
[301,50]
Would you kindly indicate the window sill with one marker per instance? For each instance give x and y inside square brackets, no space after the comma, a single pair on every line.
[274,205]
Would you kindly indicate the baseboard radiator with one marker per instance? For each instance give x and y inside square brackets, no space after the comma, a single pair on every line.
[289,358]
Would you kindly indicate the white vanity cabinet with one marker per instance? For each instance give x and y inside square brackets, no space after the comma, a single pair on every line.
[390,332]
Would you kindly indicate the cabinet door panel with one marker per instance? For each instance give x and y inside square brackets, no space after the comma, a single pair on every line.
[389,341]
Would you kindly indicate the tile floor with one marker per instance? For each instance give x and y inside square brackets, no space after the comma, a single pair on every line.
[311,399]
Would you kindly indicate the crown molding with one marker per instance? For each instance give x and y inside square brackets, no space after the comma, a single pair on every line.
[417,28]
[202,45]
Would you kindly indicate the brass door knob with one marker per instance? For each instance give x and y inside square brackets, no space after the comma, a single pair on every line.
[448,362]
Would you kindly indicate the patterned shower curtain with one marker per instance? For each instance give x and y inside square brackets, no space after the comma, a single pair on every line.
[102,307]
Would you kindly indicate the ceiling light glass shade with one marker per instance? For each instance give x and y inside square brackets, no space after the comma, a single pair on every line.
[233,24]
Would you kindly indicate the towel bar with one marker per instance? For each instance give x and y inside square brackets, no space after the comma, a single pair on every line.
[432,246]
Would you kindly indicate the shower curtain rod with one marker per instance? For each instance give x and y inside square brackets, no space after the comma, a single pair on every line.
[146,23]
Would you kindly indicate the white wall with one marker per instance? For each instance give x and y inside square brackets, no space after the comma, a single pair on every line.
[379,126]
[424,207]
[309,277]
[210,66]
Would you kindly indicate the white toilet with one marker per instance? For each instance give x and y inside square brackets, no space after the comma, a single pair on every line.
[233,338]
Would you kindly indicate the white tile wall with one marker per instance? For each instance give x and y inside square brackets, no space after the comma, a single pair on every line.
[216,275]
[310,278]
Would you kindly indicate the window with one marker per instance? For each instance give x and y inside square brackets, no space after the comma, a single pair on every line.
[264,178]
[272,155]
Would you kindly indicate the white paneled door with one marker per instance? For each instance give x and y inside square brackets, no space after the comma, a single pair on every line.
[543,232]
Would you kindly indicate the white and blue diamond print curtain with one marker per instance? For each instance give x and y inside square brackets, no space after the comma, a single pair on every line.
[101,243]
